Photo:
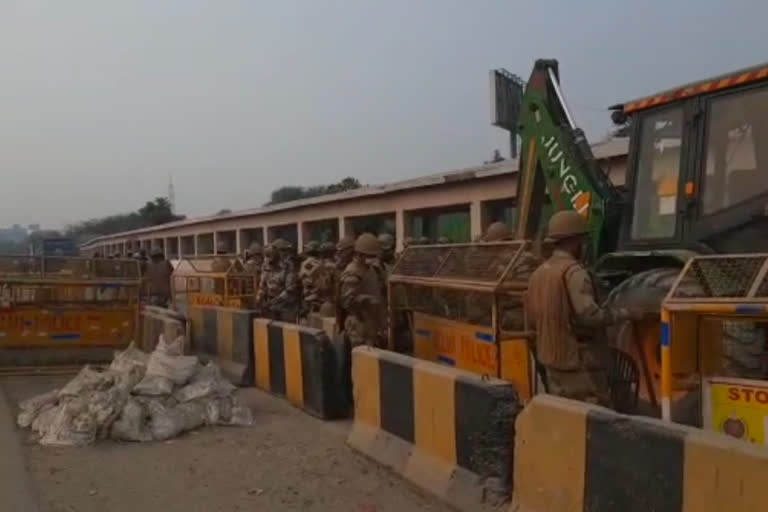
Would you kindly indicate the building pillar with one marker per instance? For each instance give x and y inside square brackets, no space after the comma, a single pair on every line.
[475,219]
[194,240]
[299,237]
[399,229]
[342,227]
[238,246]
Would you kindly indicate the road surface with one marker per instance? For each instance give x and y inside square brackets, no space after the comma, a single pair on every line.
[287,461]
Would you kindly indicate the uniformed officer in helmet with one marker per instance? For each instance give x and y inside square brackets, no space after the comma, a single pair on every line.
[278,296]
[360,295]
[569,323]
[158,278]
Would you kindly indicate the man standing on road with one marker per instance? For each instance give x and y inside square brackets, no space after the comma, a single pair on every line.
[569,323]
[360,295]
[278,288]
[158,279]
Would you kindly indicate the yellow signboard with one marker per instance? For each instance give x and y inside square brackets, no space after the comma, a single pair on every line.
[21,328]
[464,346]
[736,407]
[212,299]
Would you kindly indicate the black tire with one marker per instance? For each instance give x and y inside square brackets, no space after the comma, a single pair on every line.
[743,343]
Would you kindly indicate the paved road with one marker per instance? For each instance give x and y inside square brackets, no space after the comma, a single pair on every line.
[287,461]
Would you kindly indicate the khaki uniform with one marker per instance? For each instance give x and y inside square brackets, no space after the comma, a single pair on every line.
[569,324]
[158,279]
[278,294]
[362,305]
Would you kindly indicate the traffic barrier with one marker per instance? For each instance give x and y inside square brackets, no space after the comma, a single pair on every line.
[155,321]
[573,456]
[225,334]
[298,363]
[448,431]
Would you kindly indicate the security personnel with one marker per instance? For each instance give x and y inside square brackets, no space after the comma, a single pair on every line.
[309,275]
[345,250]
[360,297]
[254,259]
[568,321]
[277,296]
[220,262]
[497,232]
[158,279]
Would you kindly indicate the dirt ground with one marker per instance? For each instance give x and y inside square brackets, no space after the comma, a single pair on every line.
[287,461]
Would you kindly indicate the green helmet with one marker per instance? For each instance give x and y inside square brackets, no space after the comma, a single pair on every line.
[497,231]
[312,247]
[255,248]
[156,251]
[367,244]
[386,242]
[346,242]
[327,247]
[281,244]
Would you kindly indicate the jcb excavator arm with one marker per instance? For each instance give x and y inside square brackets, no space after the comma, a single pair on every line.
[555,158]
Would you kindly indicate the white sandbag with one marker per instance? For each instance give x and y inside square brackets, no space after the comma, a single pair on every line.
[241,416]
[30,408]
[178,369]
[131,424]
[206,382]
[105,407]
[212,411]
[72,425]
[193,413]
[153,385]
[127,380]
[86,380]
[44,418]
[128,359]
[174,348]
[165,423]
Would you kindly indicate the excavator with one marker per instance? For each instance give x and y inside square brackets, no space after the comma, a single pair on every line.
[696,183]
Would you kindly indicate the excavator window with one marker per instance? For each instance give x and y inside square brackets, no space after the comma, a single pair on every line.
[736,165]
[657,175]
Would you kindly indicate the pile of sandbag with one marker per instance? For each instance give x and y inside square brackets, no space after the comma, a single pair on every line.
[140,397]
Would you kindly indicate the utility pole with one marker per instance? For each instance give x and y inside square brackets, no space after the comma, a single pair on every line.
[171,194]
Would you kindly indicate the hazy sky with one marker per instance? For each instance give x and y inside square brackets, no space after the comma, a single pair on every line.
[101,100]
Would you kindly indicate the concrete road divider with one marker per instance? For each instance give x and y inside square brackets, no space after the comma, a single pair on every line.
[571,456]
[226,335]
[297,362]
[155,321]
[448,431]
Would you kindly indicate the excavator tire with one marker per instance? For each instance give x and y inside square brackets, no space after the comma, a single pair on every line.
[743,343]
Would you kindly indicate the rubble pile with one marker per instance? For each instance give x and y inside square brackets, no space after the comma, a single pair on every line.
[140,397]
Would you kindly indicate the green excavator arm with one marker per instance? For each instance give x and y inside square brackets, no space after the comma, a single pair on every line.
[557,161]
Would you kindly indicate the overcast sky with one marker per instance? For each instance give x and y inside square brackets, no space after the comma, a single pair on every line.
[101,100]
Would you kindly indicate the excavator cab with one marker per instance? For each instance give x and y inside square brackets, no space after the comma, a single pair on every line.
[698,168]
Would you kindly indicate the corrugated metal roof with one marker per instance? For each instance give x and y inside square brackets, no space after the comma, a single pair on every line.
[608,149]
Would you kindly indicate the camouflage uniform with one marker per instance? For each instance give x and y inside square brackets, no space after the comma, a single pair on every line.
[364,312]
[278,288]
[314,282]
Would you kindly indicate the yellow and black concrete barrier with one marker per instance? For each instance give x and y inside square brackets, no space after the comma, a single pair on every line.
[155,321]
[570,456]
[226,335]
[448,431]
[298,363]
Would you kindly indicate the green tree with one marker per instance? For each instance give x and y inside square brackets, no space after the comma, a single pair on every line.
[153,213]
[293,193]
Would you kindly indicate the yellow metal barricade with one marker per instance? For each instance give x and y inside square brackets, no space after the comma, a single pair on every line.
[216,281]
[66,309]
[714,346]
[462,305]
